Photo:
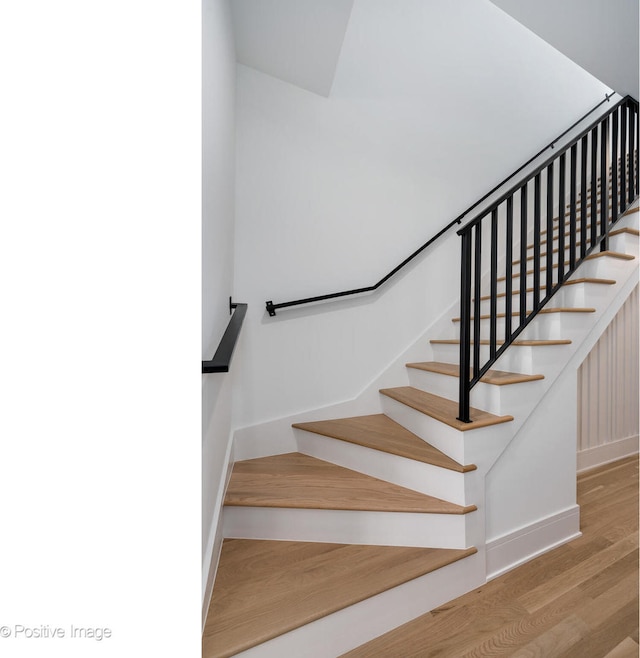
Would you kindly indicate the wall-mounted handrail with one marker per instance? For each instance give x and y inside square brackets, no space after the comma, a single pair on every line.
[222,358]
[271,307]
[603,155]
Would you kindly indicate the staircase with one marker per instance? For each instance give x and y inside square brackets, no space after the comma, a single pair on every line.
[379,518]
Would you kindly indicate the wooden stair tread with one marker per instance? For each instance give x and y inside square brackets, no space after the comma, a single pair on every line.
[620,231]
[266,588]
[381,433]
[587,279]
[610,254]
[297,481]
[534,343]
[545,311]
[442,409]
[495,377]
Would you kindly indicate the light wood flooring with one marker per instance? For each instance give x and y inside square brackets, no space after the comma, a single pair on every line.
[577,601]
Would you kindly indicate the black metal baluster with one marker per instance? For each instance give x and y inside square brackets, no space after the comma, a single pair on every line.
[572,207]
[583,209]
[632,154]
[465,327]
[635,149]
[549,277]
[604,187]
[594,185]
[493,320]
[477,276]
[523,254]
[623,156]
[509,270]
[614,167]
[536,242]
[561,204]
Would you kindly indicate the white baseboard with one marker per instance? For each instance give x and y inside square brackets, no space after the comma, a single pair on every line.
[608,452]
[211,555]
[516,548]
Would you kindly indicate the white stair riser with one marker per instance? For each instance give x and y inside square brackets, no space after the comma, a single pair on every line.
[498,400]
[630,220]
[526,359]
[425,478]
[571,296]
[603,267]
[441,436]
[545,326]
[347,527]
[599,268]
[625,243]
[543,359]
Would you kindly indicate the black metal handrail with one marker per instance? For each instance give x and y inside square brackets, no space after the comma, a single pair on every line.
[271,307]
[222,358]
[607,148]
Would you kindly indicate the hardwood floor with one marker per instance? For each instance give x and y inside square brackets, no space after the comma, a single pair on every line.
[578,601]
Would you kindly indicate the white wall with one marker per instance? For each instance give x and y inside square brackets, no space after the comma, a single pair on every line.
[218,170]
[608,391]
[599,35]
[432,104]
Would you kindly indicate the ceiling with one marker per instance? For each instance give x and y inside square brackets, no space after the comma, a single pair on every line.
[298,41]
[601,36]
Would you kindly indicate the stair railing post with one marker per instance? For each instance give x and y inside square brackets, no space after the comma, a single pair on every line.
[465,327]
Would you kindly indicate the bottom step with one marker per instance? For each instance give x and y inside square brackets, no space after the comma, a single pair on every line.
[264,589]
